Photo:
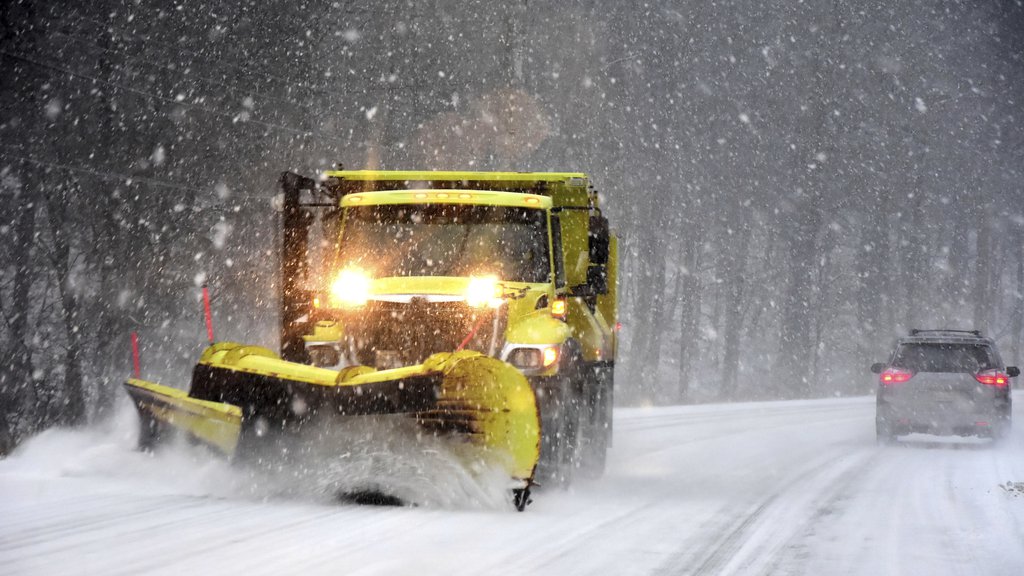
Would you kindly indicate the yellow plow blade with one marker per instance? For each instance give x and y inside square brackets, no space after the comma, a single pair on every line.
[496,402]
[485,403]
[216,424]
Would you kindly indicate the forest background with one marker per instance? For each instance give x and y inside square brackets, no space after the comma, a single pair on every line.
[795,183]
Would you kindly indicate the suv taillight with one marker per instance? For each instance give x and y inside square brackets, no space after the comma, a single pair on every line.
[895,376]
[993,378]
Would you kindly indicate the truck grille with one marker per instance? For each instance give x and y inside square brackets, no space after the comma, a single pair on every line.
[410,332]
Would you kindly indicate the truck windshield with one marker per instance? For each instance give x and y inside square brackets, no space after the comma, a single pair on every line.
[447,240]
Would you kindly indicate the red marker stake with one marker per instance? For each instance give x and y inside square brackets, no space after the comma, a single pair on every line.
[472,333]
[135,354]
[209,316]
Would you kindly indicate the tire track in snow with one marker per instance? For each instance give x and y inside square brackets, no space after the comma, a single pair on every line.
[374,518]
[60,527]
[785,548]
[636,423]
[723,549]
[744,431]
[17,514]
[916,510]
[716,490]
[218,546]
[746,537]
[568,545]
[123,530]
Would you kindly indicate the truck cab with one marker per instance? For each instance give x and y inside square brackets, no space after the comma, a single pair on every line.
[518,266]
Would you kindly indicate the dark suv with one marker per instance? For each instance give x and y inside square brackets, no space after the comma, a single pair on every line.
[943,382]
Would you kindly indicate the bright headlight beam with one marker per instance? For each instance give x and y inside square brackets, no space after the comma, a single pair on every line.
[351,288]
[550,355]
[483,292]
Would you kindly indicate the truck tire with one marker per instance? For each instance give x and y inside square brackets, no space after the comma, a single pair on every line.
[569,439]
[560,400]
[596,423]
[549,403]
[577,377]
[555,404]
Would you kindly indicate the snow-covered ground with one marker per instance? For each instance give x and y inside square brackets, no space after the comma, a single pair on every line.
[768,488]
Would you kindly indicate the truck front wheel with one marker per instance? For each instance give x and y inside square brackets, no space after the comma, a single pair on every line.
[560,400]
[595,421]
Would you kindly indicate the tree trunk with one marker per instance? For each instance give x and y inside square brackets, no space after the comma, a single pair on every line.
[796,351]
[735,293]
[1017,321]
[74,412]
[20,32]
[959,261]
[689,311]
[114,272]
[873,302]
[913,255]
[17,394]
[982,273]
[824,306]
[649,304]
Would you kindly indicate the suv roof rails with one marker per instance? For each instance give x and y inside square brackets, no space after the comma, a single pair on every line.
[916,331]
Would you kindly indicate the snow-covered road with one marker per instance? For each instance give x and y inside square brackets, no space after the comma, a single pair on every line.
[770,488]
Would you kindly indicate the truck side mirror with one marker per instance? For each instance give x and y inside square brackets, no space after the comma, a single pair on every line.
[597,283]
[1012,371]
[598,241]
[597,279]
[878,367]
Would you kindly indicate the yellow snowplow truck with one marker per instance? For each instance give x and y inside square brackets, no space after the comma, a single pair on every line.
[479,305]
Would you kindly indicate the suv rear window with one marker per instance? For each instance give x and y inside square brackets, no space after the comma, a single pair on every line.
[945,357]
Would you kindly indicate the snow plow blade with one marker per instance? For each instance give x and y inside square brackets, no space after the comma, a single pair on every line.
[243,395]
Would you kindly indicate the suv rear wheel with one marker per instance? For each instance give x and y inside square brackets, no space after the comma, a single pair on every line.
[1002,427]
[884,432]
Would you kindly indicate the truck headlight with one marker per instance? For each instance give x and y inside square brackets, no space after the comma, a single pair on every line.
[525,358]
[550,355]
[533,357]
[350,289]
[483,292]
